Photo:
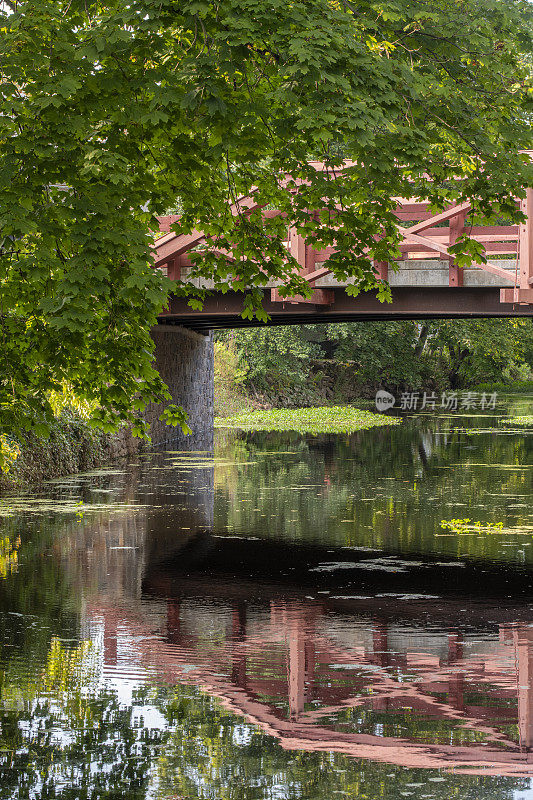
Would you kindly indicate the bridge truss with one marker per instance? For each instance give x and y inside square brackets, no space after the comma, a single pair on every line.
[425,282]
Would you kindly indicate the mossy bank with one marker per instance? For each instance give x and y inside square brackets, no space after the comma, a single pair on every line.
[73,446]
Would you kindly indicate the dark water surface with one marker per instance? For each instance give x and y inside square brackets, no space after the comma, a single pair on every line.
[287,619]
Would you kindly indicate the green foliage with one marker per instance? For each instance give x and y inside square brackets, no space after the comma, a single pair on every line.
[380,352]
[9,452]
[174,415]
[482,349]
[274,361]
[340,362]
[64,399]
[456,353]
[72,444]
[230,375]
[112,112]
[334,419]
[517,387]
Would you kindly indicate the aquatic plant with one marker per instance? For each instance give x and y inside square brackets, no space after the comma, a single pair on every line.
[466,525]
[526,421]
[335,419]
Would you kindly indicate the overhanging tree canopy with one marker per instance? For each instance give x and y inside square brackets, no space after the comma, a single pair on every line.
[111,111]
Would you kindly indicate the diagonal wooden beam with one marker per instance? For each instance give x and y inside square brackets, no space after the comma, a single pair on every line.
[321,272]
[429,243]
[445,215]
[501,273]
[173,244]
[432,245]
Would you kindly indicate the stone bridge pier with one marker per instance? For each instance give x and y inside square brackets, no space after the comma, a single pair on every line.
[185,361]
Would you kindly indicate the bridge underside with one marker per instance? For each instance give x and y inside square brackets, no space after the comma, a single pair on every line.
[224,311]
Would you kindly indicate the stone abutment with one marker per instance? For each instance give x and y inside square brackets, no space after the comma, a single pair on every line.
[185,361]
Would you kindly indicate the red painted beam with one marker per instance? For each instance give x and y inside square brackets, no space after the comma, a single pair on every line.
[521,296]
[526,242]
[457,226]
[381,268]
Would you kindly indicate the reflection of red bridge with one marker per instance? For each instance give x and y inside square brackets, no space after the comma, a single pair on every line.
[426,282]
[306,682]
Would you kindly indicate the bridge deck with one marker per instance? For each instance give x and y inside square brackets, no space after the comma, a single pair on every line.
[224,311]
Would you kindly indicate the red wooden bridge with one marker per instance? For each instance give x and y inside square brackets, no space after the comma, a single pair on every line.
[425,282]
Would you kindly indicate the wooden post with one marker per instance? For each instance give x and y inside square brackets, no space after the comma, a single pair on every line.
[526,242]
[297,247]
[305,255]
[310,254]
[174,268]
[382,270]
[457,225]
[522,294]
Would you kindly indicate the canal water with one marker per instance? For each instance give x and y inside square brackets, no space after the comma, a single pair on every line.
[289,617]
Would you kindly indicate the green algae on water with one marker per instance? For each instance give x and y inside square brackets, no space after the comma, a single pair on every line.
[524,422]
[335,419]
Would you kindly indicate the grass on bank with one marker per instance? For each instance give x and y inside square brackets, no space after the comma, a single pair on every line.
[334,419]
[516,387]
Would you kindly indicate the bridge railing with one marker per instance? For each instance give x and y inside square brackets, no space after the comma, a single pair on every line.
[425,256]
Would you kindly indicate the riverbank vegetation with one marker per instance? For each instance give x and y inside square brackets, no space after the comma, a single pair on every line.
[332,419]
[342,363]
[69,444]
[72,445]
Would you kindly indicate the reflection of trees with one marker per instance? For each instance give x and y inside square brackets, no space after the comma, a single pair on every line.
[36,601]
[61,734]
[387,488]
[203,751]
[46,753]
[66,735]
